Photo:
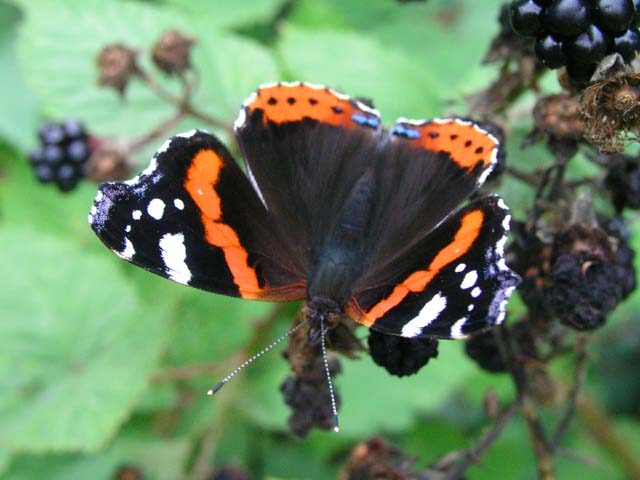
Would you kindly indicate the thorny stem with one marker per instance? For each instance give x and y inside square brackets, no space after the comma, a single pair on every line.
[580,375]
[160,131]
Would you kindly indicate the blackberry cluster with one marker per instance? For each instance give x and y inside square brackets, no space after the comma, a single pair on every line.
[63,154]
[578,33]
[401,356]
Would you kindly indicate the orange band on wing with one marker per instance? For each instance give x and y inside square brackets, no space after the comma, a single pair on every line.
[463,141]
[202,175]
[418,281]
[287,103]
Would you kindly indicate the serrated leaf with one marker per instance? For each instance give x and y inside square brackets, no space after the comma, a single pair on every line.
[77,346]
[361,66]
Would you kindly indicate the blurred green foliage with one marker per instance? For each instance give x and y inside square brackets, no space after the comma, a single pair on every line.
[89,346]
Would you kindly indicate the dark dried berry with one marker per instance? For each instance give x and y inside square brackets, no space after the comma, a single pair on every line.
[549,50]
[623,181]
[583,283]
[628,44]
[172,51]
[117,64]
[524,16]
[483,349]
[625,267]
[567,17]
[401,356]
[614,16]
[589,47]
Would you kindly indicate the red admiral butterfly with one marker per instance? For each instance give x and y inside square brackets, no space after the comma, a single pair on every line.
[332,209]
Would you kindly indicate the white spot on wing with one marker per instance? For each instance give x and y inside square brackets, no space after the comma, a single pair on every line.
[128,251]
[427,315]
[127,228]
[469,280]
[456,329]
[156,208]
[188,134]
[174,256]
[164,147]
[240,121]
[460,267]
[475,293]
[136,214]
[471,307]
[179,204]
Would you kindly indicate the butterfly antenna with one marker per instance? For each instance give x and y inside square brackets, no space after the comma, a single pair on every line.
[255,357]
[336,425]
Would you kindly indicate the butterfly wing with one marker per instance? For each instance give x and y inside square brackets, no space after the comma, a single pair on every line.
[452,283]
[304,147]
[192,216]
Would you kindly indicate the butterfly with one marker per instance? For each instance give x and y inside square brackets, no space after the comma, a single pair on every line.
[330,208]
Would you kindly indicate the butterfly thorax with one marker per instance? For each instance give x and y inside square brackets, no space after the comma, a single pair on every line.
[340,259]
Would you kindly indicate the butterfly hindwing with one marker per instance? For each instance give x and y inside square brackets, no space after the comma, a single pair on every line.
[453,283]
[193,216]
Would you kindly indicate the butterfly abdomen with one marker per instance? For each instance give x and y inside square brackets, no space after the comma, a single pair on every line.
[340,260]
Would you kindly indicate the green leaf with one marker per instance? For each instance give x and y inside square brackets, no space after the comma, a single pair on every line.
[77,346]
[374,401]
[17,103]
[361,66]
[26,202]
[222,13]
[158,459]
[59,42]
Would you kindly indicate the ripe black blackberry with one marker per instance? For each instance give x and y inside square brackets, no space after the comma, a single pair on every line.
[63,154]
[577,34]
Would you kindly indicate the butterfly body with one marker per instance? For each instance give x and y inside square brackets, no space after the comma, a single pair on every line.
[332,209]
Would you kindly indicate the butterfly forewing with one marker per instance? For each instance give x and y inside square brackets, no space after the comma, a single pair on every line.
[192,216]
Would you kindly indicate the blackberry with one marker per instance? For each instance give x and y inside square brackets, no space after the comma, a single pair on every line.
[627,44]
[566,17]
[62,157]
[577,34]
[401,356]
[614,15]
[525,17]
[550,51]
